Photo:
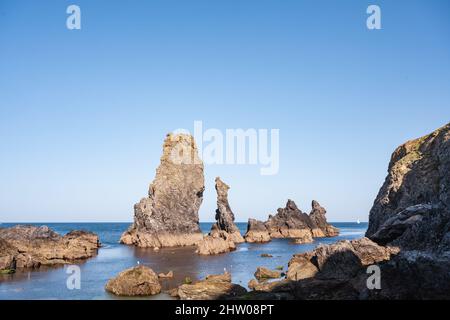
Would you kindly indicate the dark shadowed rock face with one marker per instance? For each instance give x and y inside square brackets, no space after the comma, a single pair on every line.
[31,247]
[224,215]
[318,216]
[169,215]
[412,209]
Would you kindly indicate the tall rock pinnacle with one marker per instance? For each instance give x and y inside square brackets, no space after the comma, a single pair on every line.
[168,217]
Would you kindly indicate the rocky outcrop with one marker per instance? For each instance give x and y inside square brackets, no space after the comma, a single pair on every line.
[342,260]
[168,217]
[224,215]
[216,242]
[291,222]
[409,231]
[137,281]
[318,216]
[168,275]
[31,246]
[264,273]
[256,232]
[412,209]
[215,287]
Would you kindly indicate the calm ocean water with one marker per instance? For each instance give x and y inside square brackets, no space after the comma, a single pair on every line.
[112,258]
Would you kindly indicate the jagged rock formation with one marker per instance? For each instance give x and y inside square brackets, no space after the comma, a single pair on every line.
[409,231]
[291,222]
[224,215]
[318,216]
[256,232]
[224,233]
[214,287]
[168,217]
[137,281]
[32,247]
[413,205]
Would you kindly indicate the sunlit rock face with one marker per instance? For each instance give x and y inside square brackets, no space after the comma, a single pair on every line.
[168,217]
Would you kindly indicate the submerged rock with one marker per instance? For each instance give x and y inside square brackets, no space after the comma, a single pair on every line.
[215,287]
[31,246]
[168,217]
[256,232]
[137,281]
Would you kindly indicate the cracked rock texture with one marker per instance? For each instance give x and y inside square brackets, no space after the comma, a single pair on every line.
[31,247]
[168,217]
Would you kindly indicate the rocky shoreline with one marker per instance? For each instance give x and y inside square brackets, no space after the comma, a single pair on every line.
[407,241]
[32,247]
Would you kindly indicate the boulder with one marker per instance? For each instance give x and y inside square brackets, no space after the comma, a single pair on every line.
[30,247]
[168,275]
[216,243]
[264,273]
[137,281]
[168,217]
[256,232]
[216,287]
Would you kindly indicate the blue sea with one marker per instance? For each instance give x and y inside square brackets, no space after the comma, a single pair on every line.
[112,258]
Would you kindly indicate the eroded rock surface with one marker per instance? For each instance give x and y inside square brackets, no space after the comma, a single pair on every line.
[265,273]
[256,232]
[318,215]
[137,281]
[224,214]
[168,217]
[214,287]
[30,247]
[216,242]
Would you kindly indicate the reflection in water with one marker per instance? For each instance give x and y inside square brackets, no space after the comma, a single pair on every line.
[112,258]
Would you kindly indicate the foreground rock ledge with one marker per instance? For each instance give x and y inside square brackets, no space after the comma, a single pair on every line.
[214,287]
[31,247]
[137,281]
[168,217]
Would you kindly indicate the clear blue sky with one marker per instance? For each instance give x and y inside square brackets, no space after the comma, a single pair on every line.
[83,113]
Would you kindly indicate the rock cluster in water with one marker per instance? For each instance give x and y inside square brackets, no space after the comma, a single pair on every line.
[32,247]
[291,222]
[168,217]
[224,233]
[408,238]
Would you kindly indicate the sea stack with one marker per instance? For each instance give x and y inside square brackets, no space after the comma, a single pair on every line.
[168,217]
[224,233]
[224,215]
